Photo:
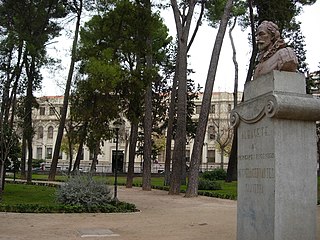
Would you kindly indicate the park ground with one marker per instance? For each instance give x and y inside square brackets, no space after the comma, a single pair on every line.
[161,217]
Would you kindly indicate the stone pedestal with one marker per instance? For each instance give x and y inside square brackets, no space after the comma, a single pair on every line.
[277,159]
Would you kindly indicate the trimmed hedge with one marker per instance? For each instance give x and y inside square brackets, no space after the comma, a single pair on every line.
[214,175]
[218,195]
[112,207]
[205,184]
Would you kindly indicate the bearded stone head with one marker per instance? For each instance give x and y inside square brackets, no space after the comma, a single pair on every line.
[267,34]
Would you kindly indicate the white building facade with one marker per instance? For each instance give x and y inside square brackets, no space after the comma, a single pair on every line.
[218,138]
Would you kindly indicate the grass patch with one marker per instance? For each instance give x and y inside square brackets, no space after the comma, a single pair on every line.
[42,199]
[28,194]
[228,191]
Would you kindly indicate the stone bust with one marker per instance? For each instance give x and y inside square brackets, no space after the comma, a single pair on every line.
[273,53]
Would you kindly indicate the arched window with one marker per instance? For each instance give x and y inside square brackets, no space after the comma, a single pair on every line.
[50,132]
[40,132]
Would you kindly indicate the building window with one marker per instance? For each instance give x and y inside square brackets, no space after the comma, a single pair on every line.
[60,155]
[50,132]
[212,109]
[52,111]
[48,152]
[42,111]
[211,133]
[40,132]
[39,152]
[229,107]
[211,156]
[198,109]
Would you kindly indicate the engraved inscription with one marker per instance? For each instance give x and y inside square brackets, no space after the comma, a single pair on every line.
[246,157]
[255,133]
[258,156]
[254,188]
[258,173]
[262,156]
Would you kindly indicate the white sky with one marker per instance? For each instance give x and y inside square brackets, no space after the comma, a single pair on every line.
[200,54]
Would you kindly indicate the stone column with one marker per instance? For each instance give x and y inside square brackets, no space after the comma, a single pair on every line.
[277,156]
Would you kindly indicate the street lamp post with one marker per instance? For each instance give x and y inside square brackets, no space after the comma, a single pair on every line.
[117,125]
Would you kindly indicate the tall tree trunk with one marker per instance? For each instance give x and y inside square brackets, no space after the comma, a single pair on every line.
[147,147]
[23,157]
[76,165]
[232,163]
[148,119]
[8,109]
[254,44]
[70,145]
[235,63]
[221,158]
[13,104]
[232,172]
[29,173]
[28,127]
[83,133]
[2,179]
[5,106]
[56,152]
[94,163]
[171,114]
[28,130]
[132,153]
[192,189]
[179,152]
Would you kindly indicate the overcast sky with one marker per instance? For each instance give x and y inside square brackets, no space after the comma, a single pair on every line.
[200,54]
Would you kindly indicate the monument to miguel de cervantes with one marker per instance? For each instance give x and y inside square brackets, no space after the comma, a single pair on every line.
[277,152]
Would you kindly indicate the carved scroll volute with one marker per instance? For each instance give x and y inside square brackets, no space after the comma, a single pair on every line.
[271,107]
[234,119]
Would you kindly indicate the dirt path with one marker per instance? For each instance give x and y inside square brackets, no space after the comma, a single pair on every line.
[162,217]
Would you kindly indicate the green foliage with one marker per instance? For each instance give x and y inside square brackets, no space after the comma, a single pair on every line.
[10,149]
[231,196]
[41,199]
[216,174]
[296,41]
[85,191]
[15,194]
[36,163]
[215,10]
[313,86]
[205,184]
[37,208]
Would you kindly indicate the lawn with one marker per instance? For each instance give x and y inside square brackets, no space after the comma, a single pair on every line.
[17,193]
[44,196]
[229,190]
[42,199]
[28,194]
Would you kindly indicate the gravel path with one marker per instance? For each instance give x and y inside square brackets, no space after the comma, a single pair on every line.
[162,217]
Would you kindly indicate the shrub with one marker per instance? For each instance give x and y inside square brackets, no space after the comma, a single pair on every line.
[83,190]
[219,195]
[216,174]
[37,208]
[205,184]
